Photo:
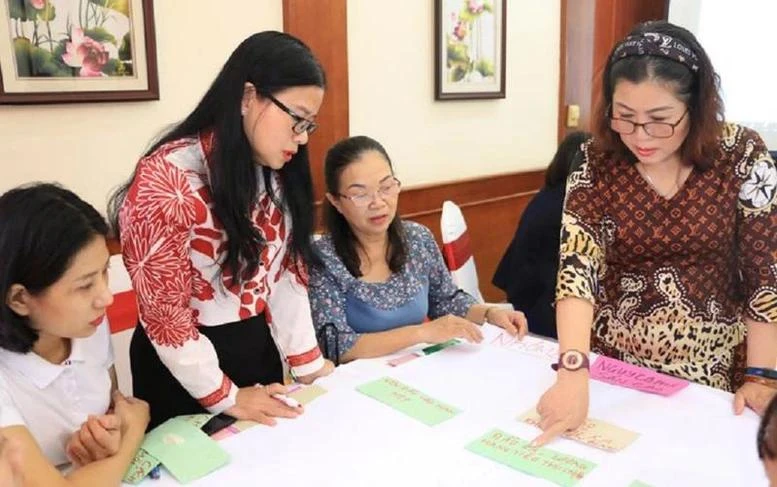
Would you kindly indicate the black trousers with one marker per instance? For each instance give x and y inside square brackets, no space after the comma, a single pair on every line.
[246,352]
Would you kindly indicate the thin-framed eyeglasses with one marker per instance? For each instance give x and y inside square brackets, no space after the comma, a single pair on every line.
[301,124]
[389,189]
[659,130]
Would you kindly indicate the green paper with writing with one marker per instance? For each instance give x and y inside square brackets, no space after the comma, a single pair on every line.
[560,468]
[408,400]
[141,465]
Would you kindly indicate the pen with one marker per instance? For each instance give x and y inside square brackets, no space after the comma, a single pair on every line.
[293,387]
[291,402]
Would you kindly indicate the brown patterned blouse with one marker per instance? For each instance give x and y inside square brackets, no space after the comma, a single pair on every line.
[672,279]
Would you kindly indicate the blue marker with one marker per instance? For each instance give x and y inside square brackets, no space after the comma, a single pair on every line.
[156,472]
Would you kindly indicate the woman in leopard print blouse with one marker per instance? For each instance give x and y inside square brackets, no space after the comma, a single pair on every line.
[668,246]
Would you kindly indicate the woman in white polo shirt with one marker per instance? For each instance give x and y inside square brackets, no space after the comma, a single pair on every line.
[55,357]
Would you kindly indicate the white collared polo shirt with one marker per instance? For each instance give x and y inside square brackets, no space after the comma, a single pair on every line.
[51,400]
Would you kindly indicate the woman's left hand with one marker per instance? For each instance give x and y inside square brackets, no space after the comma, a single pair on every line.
[99,437]
[755,396]
[326,369]
[513,322]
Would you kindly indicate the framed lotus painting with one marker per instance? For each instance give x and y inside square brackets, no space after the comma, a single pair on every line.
[469,49]
[61,51]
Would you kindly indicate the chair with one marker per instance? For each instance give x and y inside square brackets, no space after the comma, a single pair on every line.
[457,253]
[456,250]
[122,318]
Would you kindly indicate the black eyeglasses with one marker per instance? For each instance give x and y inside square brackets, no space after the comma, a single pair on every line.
[659,130]
[301,124]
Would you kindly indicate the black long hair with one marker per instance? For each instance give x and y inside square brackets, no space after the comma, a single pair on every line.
[42,228]
[340,156]
[700,91]
[271,61]
[566,159]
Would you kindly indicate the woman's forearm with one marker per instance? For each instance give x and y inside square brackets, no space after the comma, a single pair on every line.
[761,344]
[574,318]
[477,313]
[370,345]
[97,473]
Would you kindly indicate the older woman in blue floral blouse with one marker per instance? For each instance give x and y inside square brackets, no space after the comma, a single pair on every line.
[381,277]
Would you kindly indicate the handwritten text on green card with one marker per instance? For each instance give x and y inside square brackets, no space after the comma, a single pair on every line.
[564,470]
[410,401]
[141,465]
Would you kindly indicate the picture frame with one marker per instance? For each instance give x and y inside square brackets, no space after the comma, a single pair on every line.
[470,46]
[69,51]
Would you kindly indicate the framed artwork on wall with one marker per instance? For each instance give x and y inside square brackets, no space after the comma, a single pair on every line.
[469,49]
[66,51]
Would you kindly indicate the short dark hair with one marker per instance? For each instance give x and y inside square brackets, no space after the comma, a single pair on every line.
[700,91]
[767,432]
[340,156]
[564,161]
[42,228]
[272,62]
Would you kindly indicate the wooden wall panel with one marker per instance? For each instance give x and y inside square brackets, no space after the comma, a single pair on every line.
[492,207]
[577,49]
[322,25]
[614,19]
[589,30]
[420,199]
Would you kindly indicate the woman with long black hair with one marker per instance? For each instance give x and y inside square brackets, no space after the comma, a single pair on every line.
[215,227]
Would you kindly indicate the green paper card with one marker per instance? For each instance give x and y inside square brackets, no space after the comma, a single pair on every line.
[140,467]
[563,469]
[184,450]
[410,401]
[639,483]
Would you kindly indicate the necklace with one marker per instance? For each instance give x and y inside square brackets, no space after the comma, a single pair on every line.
[675,187]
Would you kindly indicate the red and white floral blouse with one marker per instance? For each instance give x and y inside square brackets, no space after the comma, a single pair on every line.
[173,246]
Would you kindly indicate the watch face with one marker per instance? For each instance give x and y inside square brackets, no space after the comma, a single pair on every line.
[572,360]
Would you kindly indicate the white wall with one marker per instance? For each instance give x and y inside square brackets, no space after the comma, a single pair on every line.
[391,77]
[748,99]
[91,148]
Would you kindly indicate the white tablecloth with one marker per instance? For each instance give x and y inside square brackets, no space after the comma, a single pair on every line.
[345,438]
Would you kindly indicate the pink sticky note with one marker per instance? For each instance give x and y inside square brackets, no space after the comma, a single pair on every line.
[403,359]
[619,373]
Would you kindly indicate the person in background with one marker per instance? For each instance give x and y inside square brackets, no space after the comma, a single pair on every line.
[56,364]
[527,271]
[381,276]
[668,243]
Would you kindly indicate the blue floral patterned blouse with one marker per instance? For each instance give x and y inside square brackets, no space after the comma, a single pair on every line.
[344,307]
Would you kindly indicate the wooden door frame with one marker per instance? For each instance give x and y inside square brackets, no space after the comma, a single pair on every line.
[604,23]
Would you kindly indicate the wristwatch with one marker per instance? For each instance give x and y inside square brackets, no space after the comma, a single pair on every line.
[571,360]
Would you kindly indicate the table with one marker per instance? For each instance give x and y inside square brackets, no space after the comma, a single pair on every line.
[345,438]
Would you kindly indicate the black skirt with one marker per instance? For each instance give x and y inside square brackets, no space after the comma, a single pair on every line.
[246,352]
